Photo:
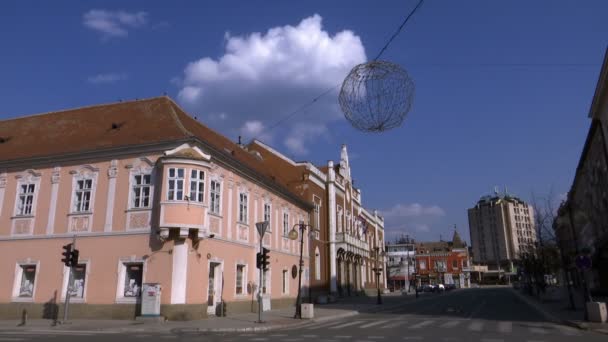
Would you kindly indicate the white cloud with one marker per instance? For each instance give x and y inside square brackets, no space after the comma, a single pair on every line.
[107,78]
[114,23]
[413,210]
[262,77]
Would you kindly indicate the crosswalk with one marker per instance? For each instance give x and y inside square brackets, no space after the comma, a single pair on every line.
[473,326]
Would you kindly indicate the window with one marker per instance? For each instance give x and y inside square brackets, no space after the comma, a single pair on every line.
[216,190]
[197,186]
[133,279]
[83,195]
[285,279]
[267,213]
[76,288]
[454,263]
[176,184]
[240,269]
[422,265]
[28,281]
[317,215]
[285,224]
[26,199]
[141,191]
[243,207]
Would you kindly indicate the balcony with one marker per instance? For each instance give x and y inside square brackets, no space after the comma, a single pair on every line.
[351,244]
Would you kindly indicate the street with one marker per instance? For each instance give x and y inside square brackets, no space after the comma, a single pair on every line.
[485,315]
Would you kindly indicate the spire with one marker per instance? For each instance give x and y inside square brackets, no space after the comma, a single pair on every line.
[344,164]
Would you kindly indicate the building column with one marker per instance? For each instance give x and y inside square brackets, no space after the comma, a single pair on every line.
[50,224]
[179,276]
[112,173]
[333,288]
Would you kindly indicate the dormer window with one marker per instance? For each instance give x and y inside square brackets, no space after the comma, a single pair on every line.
[176,184]
[26,199]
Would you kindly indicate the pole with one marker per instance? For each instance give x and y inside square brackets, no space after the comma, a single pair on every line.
[70,281]
[298,299]
[260,288]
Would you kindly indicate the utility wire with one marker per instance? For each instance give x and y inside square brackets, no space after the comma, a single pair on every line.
[310,103]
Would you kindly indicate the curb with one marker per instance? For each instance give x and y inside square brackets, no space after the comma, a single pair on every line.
[549,316]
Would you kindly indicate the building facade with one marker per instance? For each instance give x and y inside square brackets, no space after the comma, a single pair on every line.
[151,196]
[502,229]
[349,238]
[582,223]
[400,263]
[443,262]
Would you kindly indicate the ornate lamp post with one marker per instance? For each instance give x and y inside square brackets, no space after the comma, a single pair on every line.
[293,235]
[378,271]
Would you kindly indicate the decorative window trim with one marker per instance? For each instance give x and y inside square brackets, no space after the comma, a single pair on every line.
[217,180]
[243,217]
[27,177]
[18,277]
[244,280]
[122,272]
[141,171]
[66,276]
[85,172]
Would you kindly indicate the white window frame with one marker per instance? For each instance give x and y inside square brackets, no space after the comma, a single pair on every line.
[29,177]
[175,180]
[285,282]
[422,265]
[215,197]
[243,280]
[285,223]
[66,277]
[18,279]
[122,273]
[84,174]
[197,178]
[243,207]
[21,208]
[133,185]
[267,215]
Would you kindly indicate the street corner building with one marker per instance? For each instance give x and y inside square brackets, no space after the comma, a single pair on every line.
[347,253]
[151,196]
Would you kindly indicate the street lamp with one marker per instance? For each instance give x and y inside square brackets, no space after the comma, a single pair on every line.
[293,235]
[378,271]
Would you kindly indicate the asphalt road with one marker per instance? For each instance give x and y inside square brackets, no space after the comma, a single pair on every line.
[484,315]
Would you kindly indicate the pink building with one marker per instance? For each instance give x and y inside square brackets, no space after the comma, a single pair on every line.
[152,196]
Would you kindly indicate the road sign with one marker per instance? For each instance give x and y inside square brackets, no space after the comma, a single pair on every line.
[262,226]
[583,262]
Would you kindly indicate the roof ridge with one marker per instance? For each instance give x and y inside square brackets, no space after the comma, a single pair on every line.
[83,107]
[175,117]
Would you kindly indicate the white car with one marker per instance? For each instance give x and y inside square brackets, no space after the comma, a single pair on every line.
[440,287]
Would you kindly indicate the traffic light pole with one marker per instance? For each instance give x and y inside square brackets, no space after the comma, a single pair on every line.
[67,290]
[260,287]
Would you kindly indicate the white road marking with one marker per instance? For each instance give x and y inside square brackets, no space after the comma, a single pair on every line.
[371,324]
[505,327]
[321,325]
[259,339]
[375,337]
[450,324]
[309,336]
[476,326]
[278,335]
[421,324]
[393,325]
[345,325]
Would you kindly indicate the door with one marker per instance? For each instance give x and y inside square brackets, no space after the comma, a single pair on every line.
[214,295]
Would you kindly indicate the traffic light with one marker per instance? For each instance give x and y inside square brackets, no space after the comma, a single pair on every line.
[67,254]
[265,262]
[258,260]
[74,257]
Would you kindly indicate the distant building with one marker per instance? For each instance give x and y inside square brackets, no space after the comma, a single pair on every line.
[502,230]
[400,267]
[443,262]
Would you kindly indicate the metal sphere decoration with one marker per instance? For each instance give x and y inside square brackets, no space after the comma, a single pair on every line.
[376,96]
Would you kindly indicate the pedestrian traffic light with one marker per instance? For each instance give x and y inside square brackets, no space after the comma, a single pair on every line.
[67,254]
[265,259]
[74,257]
[258,260]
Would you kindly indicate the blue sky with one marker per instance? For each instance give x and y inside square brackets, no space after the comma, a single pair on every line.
[503,88]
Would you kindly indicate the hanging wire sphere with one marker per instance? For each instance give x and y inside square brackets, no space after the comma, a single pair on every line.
[376,96]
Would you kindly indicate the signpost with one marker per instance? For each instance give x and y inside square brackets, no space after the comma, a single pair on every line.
[261,227]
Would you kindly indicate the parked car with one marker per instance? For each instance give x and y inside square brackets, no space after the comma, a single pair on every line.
[450,287]
[439,288]
[428,288]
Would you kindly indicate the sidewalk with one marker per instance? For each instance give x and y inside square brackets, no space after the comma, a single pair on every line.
[554,305]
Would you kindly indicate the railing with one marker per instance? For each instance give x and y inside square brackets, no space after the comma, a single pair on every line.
[351,240]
